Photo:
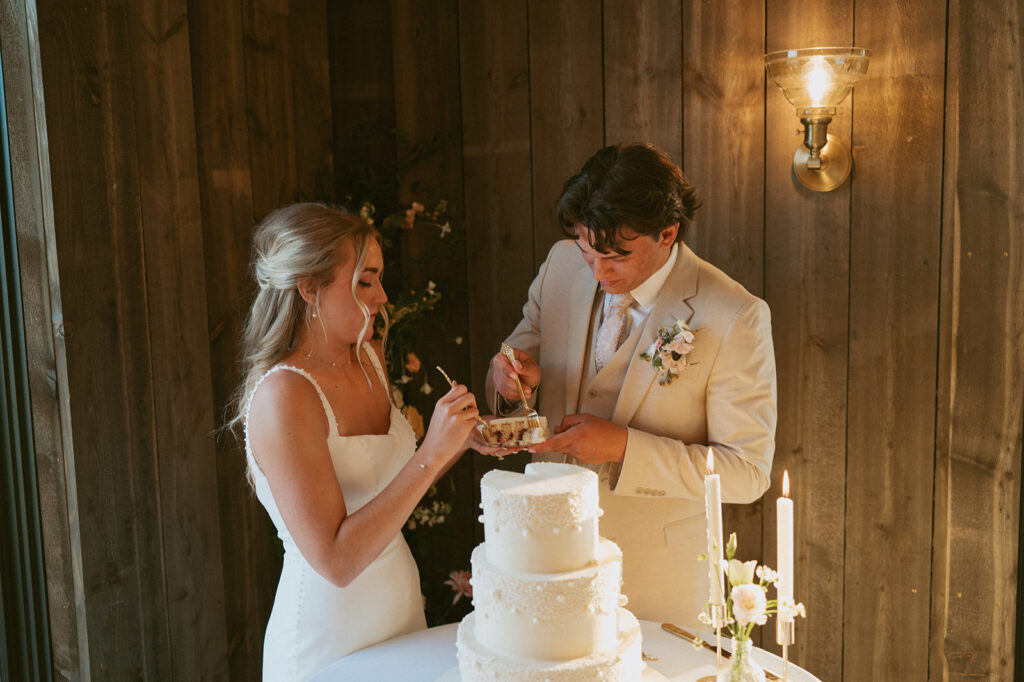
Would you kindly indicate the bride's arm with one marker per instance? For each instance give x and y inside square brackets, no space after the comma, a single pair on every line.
[288,435]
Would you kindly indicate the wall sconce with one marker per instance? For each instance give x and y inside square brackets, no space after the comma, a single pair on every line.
[816,80]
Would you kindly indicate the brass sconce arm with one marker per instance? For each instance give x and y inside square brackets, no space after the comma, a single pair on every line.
[815,138]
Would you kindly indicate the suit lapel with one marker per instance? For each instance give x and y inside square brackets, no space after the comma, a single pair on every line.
[584,287]
[672,304]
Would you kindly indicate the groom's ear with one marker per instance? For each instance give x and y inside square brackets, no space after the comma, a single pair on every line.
[667,237]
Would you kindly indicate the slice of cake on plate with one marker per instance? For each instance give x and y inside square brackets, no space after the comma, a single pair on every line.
[514,432]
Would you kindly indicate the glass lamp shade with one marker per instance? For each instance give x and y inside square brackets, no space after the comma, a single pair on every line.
[816,80]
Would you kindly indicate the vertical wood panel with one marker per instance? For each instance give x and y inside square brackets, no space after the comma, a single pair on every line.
[225,189]
[566,104]
[979,507]
[723,155]
[723,135]
[949,300]
[494,66]
[86,58]
[46,357]
[186,491]
[310,100]
[426,65]
[806,285]
[363,99]
[270,114]
[287,81]
[893,339]
[643,73]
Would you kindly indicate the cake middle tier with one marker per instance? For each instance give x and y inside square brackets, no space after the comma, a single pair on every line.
[553,616]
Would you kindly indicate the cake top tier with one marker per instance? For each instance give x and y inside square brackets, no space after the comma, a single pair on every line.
[559,495]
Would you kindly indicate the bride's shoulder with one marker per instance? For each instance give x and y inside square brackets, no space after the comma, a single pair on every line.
[286,418]
[284,390]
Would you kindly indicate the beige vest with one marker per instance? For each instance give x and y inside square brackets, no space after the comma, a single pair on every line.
[649,593]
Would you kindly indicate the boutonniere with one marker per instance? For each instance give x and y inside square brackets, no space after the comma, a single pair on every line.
[669,351]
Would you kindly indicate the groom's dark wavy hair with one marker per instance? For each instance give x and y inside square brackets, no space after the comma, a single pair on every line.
[635,186]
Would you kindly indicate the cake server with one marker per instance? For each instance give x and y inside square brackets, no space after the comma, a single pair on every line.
[532,417]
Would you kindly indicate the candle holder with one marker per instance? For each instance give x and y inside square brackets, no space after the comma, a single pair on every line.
[718,620]
[747,606]
[785,636]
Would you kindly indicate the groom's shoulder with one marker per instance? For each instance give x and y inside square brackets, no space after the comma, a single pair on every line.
[563,260]
[715,283]
[564,251]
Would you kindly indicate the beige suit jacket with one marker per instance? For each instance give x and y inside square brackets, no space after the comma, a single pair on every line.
[654,503]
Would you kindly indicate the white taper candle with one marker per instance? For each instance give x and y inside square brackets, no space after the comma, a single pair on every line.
[784,515]
[716,545]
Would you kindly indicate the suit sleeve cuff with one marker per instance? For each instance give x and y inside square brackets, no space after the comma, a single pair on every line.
[626,478]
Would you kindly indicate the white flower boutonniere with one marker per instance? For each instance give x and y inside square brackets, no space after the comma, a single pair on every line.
[669,351]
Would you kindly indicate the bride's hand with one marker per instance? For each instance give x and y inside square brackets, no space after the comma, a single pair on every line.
[453,420]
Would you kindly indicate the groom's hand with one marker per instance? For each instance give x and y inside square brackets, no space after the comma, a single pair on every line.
[589,439]
[503,373]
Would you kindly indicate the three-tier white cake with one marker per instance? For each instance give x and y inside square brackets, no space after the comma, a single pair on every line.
[546,587]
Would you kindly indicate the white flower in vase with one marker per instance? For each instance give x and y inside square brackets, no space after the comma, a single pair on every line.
[749,604]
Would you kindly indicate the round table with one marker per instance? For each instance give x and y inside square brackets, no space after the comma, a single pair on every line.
[426,655]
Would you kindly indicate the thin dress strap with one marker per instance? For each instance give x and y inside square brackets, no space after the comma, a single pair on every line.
[381,374]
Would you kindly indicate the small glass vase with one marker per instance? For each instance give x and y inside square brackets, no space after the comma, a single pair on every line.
[742,667]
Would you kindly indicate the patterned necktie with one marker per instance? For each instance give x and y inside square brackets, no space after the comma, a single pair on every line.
[610,333]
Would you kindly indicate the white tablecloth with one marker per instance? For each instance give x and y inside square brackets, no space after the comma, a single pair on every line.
[426,655]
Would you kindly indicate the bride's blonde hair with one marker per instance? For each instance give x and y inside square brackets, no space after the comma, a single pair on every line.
[301,243]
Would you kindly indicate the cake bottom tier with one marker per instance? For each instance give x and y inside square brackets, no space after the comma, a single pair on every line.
[622,664]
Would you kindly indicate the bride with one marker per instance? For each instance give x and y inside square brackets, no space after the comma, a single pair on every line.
[329,455]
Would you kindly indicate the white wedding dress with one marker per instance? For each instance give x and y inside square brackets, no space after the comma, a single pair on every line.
[313,621]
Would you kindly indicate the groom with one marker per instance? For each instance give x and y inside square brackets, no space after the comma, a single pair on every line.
[596,305]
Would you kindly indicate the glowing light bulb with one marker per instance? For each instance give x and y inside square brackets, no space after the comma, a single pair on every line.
[819,80]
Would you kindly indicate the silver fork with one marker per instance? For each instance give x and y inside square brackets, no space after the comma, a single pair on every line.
[487,427]
[532,418]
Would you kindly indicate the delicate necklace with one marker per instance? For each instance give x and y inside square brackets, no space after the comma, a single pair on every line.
[334,363]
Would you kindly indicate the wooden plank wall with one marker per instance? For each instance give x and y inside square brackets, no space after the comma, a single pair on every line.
[981,358]
[133,505]
[172,127]
[896,299]
[894,258]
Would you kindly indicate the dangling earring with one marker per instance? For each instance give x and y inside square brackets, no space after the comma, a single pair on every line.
[314,314]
